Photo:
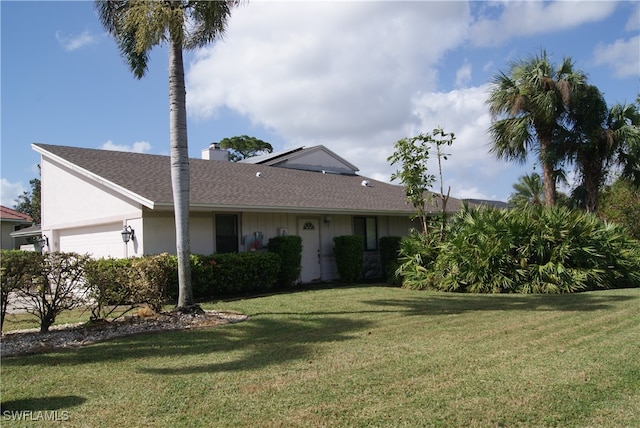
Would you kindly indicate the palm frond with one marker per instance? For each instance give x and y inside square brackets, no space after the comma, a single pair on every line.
[512,138]
[209,20]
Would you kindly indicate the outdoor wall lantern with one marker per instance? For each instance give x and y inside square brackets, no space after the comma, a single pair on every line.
[42,242]
[327,219]
[127,234]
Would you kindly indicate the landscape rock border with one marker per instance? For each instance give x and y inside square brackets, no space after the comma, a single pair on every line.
[25,342]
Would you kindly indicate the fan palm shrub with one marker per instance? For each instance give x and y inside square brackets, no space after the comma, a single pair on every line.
[416,256]
[529,250]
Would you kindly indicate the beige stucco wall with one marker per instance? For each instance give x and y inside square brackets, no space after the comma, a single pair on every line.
[159,232]
[160,237]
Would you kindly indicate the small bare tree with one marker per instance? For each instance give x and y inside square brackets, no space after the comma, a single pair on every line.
[57,285]
[413,155]
[440,139]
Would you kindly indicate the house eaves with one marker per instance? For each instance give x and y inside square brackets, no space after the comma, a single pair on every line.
[93,177]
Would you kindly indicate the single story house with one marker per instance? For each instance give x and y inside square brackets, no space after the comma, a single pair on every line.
[12,221]
[88,196]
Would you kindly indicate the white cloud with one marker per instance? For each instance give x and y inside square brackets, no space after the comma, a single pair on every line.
[527,18]
[341,74]
[10,191]
[137,147]
[355,77]
[318,70]
[633,24]
[73,42]
[623,56]
[463,75]
[464,112]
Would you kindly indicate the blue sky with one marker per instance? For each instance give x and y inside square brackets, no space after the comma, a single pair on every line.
[355,76]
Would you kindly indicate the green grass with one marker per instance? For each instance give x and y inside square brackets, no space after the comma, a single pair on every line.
[357,356]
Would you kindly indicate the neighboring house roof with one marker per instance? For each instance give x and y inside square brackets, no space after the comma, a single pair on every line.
[233,185]
[488,203]
[316,158]
[271,157]
[27,232]
[9,215]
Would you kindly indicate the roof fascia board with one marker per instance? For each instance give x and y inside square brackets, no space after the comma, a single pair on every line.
[279,209]
[95,177]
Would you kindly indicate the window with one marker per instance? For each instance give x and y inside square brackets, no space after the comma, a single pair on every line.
[226,233]
[367,228]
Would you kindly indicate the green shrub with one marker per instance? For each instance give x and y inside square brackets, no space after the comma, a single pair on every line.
[534,250]
[289,248]
[236,273]
[202,276]
[620,204]
[389,251]
[348,251]
[17,268]
[151,278]
[109,282]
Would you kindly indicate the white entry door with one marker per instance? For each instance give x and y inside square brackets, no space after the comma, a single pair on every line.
[309,230]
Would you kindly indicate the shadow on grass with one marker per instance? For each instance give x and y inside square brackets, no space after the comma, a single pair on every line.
[253,344]
[457,303]
[40,404]
[435,303]
[273,337]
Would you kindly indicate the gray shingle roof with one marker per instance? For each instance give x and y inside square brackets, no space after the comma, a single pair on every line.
[221,184]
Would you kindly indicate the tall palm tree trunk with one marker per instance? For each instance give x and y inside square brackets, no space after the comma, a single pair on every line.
[180,168]
[592,178]
[548,175]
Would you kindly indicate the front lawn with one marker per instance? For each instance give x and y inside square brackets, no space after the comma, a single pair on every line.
[355,356]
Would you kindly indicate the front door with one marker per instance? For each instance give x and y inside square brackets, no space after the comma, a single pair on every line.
[309,230]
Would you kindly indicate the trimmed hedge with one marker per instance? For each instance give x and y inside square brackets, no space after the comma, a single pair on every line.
[289,248]
[224,274]
[389,249]
[154,279]
[349,252]
[109,283]
[237,273]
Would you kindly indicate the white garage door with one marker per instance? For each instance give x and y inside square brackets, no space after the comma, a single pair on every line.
[98,241]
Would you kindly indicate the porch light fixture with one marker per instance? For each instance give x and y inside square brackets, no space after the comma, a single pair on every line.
[128,234]
[327,219]
[43,241]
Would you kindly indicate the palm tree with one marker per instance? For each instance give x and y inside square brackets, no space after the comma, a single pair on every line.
[624,122]
[528,190]
[138,26]
[597,138]
[528,102]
